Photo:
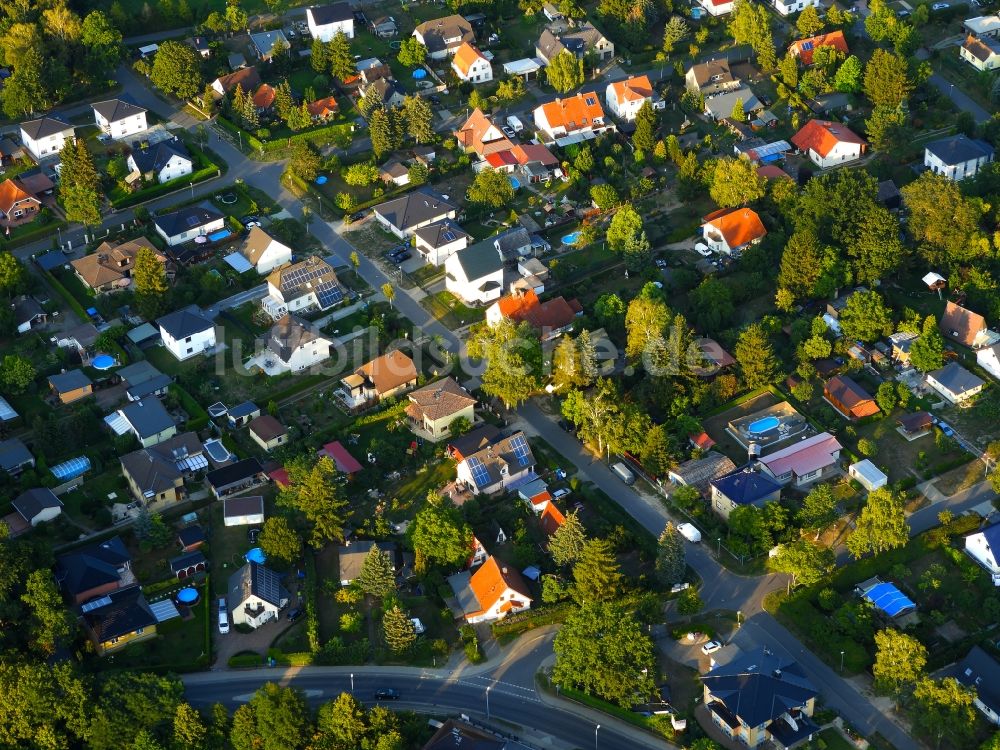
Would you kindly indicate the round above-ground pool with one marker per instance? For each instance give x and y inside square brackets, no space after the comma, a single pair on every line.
[419,74]
[256,555]
[187,596]
[763,425]
[571,238]
[321,180]
[103,362]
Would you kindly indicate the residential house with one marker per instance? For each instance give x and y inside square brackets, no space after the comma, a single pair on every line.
[720,106]
[119,118]
[371,69]
[15,456]
[625,98]
[388,91]
[394,172]
[10,151]
[573,119]
[341,457]
[148,420]
[118,619]
[247,510]
[246,78]
[141,379]
[551,519]
[535,493]
[980,672]
[699,472]
[323,109]
[915,425]
[200,45]
[177,227]
[256,595]
[499,466]
[296,346]
[71,385]
[957,156]
[326,21]
[829,144]
[460,448]
[187,332]
[846,396]
[867,474]
[535,163]
[352,557]
[983,546]
[37,505]
[406,214]
[761,696]
[745,486]
[17,205]
[458,735]
[900,343]
[385,27]
[443,36]
[711,77]
[264,97]
[95,570]
[162,162]
[470,65]
[580,41]
[382,377]
[157,474]
[439,241]
[964,326]
[310,284]
[989,359]
[268,432]
[191,537]
[268,43]
[264,252]
[804,462]
[235,61]
[109,267]
[717,7]
[475,273]
[982,54]
[787,7]
[982,26]
[552,317]
[479,135]
[552,13]
[45,137]
[241,414]
[731,230]
[955,383]
[804,48]
[433,408]
[235,478]
[28,313]
[491,593]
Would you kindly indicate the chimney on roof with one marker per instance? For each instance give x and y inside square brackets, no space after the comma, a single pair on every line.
[777,674]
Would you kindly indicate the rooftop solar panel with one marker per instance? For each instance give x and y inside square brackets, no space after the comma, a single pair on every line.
[96,604]
[329,293]
[806,46]
[192,221]
[480,475]
[521,450]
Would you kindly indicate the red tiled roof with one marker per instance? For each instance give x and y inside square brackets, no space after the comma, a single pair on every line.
[280,477]
[551,518]
[492,581]
[345,462]
[804,48]
[701,440]
[739,226]
[822,135]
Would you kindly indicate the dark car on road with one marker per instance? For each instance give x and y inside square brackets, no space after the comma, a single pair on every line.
[356,216]
[387,694]
[294,614]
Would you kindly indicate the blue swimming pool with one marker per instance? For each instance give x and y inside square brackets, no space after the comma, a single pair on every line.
[256,555]
[763,425]
[187,596]
[103,362]
[220,235]
[514,182]
[321,180]
[571,238]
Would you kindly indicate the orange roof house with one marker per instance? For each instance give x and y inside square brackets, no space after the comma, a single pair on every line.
[16,204]
[731,229]
[471,65]
[323,108]
[633,89]
[490,593]
[576,114]
[804,48]
[551,519]
[551,317]
[963,326]
[829,143]
[479,134]
[263,98]
[849,398]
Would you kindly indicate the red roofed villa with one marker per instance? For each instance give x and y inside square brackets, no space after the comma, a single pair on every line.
[804,48]
[829,144]
[346,463]
[491,593]
[730,230]
[551,317]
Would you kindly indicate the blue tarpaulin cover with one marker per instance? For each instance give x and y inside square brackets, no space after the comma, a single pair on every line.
[889,599]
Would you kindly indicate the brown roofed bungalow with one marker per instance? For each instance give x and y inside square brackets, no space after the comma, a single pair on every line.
[849,398]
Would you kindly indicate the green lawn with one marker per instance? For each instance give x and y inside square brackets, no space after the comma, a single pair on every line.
[450,311]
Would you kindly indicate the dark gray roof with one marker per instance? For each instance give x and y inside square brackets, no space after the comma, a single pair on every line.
[191,535]
[386,88]
[14,453]
[245,505]
[125,612]
[287,335]
[758,687]
[959,149]
[441,233]
[243,410]
[147,417]
[114,110]
[185,322]
[26,308]
[32,502]
[512,241]
[981,671]
[256,580]
[155,469]
[154,158]
[138,372]
[334,13]
[185,219]
[414,208]
[64,382]
[44,126]
[233,473]
[92,566]
[956,378]
[147,387]
[186,560]
[746,486]
[480,259]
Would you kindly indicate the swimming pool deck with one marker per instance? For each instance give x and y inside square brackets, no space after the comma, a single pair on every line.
[789,423]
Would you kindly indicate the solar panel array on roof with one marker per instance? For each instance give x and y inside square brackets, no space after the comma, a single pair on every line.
[268,586]
[521,450]
[448,235]
[71,469]
[193,221]
[304,273]
[806,46]
[889,599]
[96,604]
[7,412]
[328,293]
[479,473]
[193,463]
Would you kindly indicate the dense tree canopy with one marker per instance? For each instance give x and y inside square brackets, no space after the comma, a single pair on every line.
[439,535]
[881,526]
[513,355]
[313,492]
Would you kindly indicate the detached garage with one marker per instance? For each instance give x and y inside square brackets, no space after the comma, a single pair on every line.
[243,511]
[868,474]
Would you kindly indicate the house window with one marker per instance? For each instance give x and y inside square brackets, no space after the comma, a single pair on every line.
[139,631]
[187,340]
[114,641]
[189,350]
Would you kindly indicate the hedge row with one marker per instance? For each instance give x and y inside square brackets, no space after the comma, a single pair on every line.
[197,416]
[63,292]
[522,622]
[30,233]
[158,191]
[321,135]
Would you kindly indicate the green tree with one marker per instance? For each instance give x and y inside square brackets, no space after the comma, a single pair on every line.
[25,91]
[670,560]
[900,660]
[625,226]
[419,118]
[596,575]
[644,137]
[573,362]
[751,24]
[881,526]
[946,224]
[412,52]
[236,17]
[513,355]
[177,70]
[398,630]
[646,322]
[377,576]
[340,58]
[102,42]
[313,492]
[945,708]
[755,357]
[865,317]
[276,718]
[886,397]
[190,732]
[389,292]
[16,373]
[150,278]
[848,77]
[927,351]
[809,23]
[601,649]
[675,32]
[11,273]
[713,305]
[610,311]
[318,58]
[887,82]
[657,453]
[381,131]
[50,622]
[806,563]
[79,184]
[565,72]
[360,174]
[884,126]
[511,90]
[303,161]
[439,535]
[566,544]
[279,540]
[819,509]
[491,188]
[604,196]
[735,182]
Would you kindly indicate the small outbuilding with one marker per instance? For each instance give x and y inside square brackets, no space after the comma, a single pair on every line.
[868,474]
[243,511]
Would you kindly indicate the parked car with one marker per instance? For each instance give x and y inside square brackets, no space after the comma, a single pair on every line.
[702,249]
[418,627]
[223,616]
[561,492]
[356,216]
[940,6]
[660,263]
[387,694]
[508,131]
[689,532]
[399,257]
[294,614]
[711,647]
[623,472]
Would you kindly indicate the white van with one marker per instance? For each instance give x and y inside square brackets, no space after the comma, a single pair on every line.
[689,532]
[624,473]
[515,123]
[223,616]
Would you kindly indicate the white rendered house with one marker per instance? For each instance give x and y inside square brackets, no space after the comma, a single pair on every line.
[119,118]
[45,137]
[984,547]
[475,273]
[187,332]
[625,98]
[470,65]
[957,157]
[326,21]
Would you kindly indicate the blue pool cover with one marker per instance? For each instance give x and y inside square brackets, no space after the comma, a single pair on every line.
[321,180]
[889,599]
[419,74]
[71,469]
[103,362]
[187,595]
[256,555]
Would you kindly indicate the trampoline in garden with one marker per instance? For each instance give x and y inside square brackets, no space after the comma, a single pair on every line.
[256,555]
[228,199]
[321,180]
[188,596]
[103,362]
[419,74]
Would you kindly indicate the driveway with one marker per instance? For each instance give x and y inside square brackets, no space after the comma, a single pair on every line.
[959,98]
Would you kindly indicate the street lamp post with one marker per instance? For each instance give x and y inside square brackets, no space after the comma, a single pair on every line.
[192,191]
[739,615]
[352,683]
[488,701]
[595,735]
[718,545]
[841,662]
